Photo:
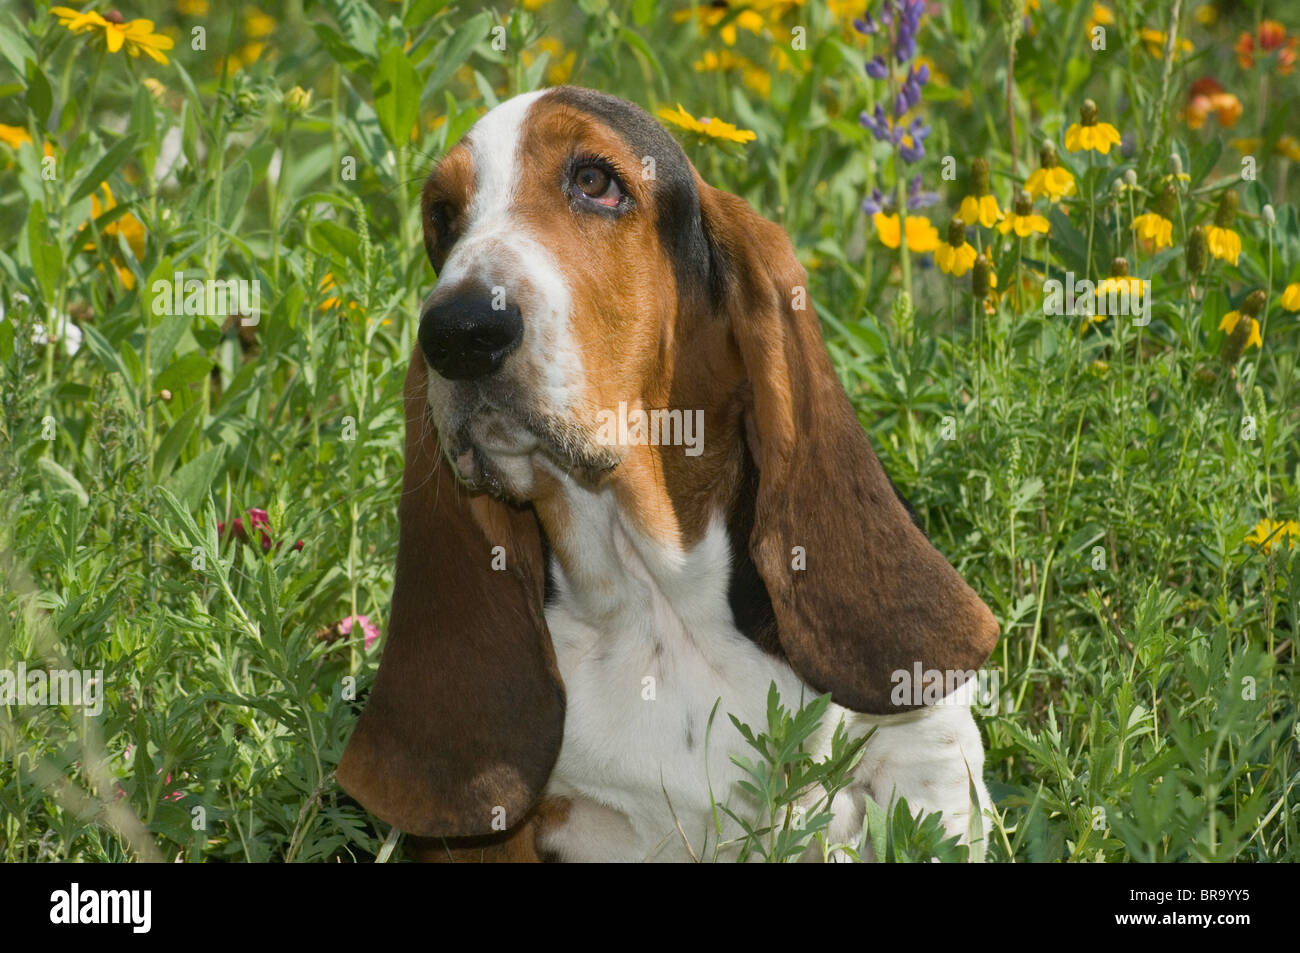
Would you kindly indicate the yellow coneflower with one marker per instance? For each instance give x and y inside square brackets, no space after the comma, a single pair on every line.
[1155,229]
[706,126]
[1242,326]
[979,207]
[955,256]
[136,36]
[1291,297]
[1224,243]
[1269,533]
[1023,219]
[1088,133]
[922,236]
[1052,180]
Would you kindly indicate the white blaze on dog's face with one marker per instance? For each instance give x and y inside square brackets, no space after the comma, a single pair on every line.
[565,228]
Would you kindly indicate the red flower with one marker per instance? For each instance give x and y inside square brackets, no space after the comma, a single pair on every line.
[259,520]
[1270,36]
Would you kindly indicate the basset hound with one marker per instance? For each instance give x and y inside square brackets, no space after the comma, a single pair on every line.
[576,588]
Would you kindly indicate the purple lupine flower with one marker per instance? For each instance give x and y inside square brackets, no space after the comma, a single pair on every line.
[876,67]
[875,202]
[917,197]
[866,25]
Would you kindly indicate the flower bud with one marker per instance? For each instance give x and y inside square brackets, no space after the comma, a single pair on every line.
[1119,267]
[1270,216]
[1047,157]
[297,100]
[1230,353]
[1130,178]
[1167,203]
[980,277]
[1198,250]
[1088,113]
[979,178]
[1175,163]
[1254,304]
[956,233]
[1022,204]
[1227,210]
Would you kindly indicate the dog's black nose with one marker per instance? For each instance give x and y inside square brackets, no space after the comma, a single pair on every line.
[466,337]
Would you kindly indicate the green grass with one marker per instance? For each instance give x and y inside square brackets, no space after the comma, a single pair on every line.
[1097,489]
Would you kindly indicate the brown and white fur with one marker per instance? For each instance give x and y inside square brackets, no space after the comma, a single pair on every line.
[567,611]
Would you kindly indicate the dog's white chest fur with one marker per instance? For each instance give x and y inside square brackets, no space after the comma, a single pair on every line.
[646,644]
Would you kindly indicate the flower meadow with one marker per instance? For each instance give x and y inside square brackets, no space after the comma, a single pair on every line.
[1054,247]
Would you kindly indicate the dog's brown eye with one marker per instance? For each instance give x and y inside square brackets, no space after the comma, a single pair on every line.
[598,185]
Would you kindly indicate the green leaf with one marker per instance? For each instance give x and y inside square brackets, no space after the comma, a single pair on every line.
[185,370]
[235,186]
[60,481]
[40,98]
[47,259]
[452,52]
[13,44]
[101,170]
[397,96]
[175,440]
[194,480]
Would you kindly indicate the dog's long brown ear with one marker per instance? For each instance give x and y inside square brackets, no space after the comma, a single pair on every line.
[463,723]
[858,591]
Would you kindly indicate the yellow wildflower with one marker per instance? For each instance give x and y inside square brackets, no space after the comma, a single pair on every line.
[1088,133]
[1023,219]
[257,25]
[922,236]
[128,227]
[980,206]
[955,256]
[136,36]
[706,126]
[1288,146]
[1229,324]
[710,16]
[1272,532]
[14,136]
[1155,228]
[1291,297]
[1155,41]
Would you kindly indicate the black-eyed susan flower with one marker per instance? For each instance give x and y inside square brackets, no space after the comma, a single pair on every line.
[1155,229]
[136,36]
[1242,327]
[1023,220]
[1089,134]
[955,256]
[922,236]
[1269,533]
[706,126]
[1052,179]
[979,207]
[1223,242]
[1291,297]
